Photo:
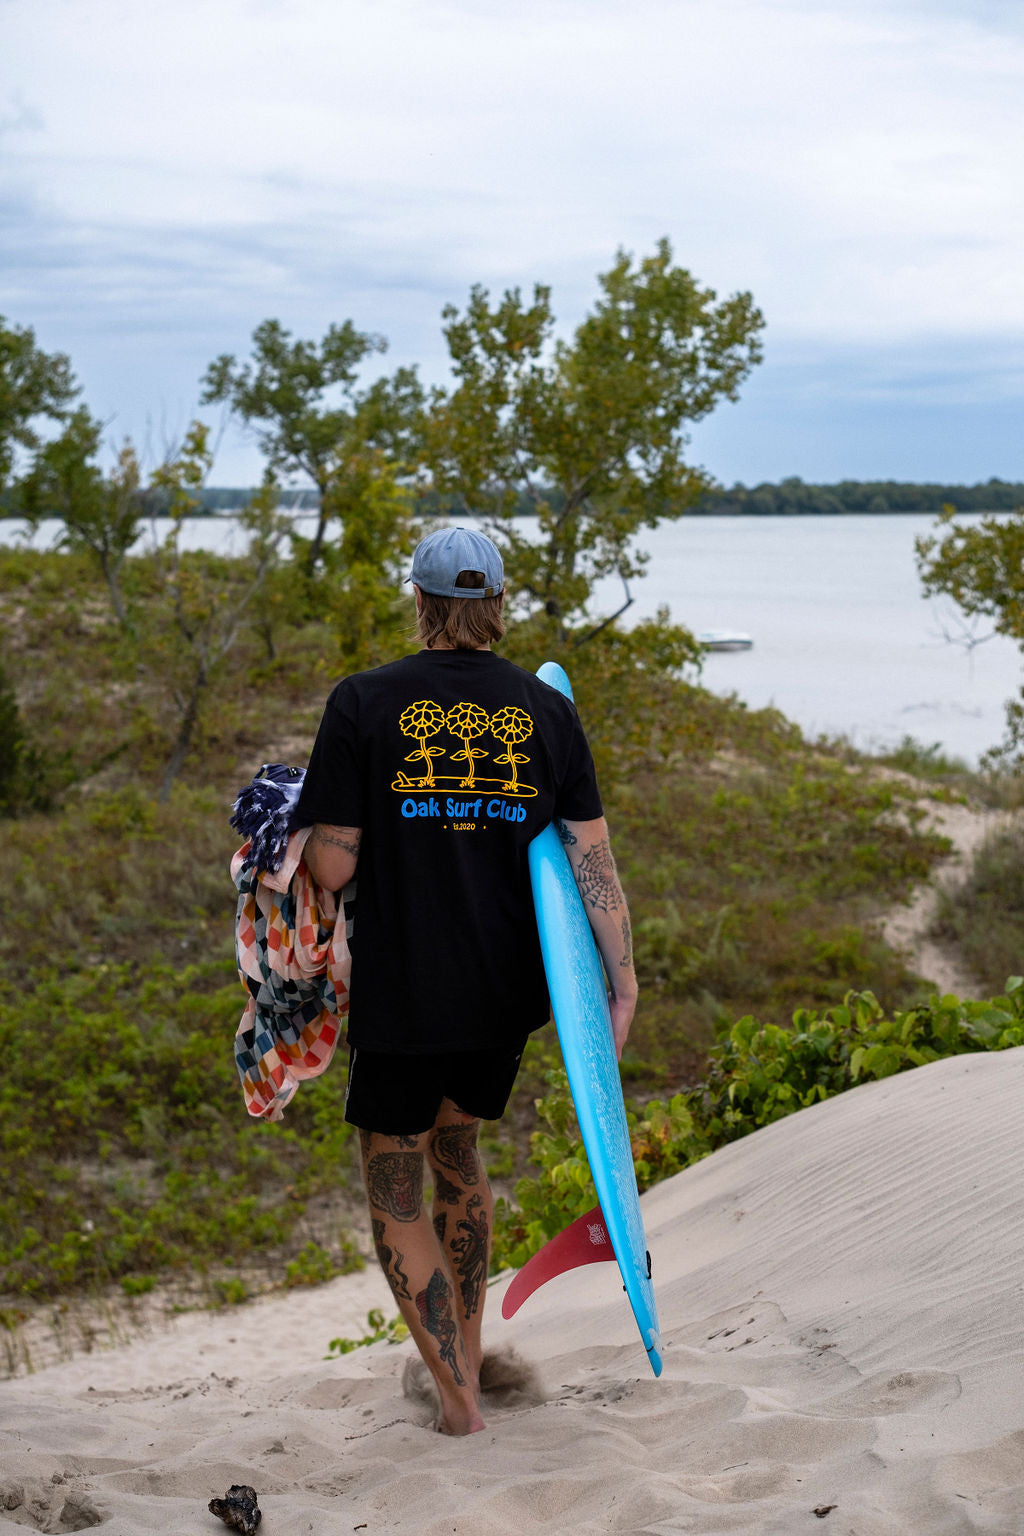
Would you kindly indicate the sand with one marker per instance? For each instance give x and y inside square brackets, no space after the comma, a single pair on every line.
[842,1305]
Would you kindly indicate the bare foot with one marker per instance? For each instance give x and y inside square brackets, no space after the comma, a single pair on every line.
[420,1388]
[473,1425]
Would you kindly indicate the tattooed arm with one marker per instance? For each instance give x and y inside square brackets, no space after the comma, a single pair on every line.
[331,853]
[590,854]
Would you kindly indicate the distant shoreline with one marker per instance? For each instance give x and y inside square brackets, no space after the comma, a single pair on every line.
[791,497]
[212,514]
[229,512]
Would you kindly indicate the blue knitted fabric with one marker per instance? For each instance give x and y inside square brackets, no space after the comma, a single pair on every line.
[263,812]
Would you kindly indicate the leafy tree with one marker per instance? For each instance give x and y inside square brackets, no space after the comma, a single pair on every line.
[283,392]
[100,514]
[207,601]
[980,565]
[378,531]
[593,429]
[33,383]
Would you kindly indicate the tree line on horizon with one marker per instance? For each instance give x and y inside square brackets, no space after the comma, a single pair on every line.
[791,497]
[786,498]
[794,497]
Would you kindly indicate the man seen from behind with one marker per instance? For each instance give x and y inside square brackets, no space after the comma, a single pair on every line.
[431,775]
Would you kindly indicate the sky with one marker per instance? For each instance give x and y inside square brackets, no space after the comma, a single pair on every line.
[172,175]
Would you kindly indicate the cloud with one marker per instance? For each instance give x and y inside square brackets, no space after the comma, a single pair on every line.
[176,174]
[938,411]
[20,117]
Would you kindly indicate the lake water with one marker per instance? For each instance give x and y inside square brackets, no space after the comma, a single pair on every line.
[844,643]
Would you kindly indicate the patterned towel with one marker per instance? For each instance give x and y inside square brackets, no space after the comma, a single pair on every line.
[291,943]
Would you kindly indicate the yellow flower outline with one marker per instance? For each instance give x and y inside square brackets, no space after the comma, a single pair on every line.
[423,720]
[512,725]
[466,721]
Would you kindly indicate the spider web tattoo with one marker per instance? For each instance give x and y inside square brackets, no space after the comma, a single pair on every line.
[597,880]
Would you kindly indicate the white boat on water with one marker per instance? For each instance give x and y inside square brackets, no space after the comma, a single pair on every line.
[725,640]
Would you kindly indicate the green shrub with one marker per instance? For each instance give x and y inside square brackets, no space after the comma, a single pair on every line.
[984,917]
[394,1331]
[924,761]
[229,1293]
[29,781]
[314,1264]
[138,1285]
[126,1147]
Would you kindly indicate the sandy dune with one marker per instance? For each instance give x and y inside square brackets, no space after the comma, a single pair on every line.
[842,1301]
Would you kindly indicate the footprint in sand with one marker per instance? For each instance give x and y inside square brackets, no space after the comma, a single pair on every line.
[891,1392]
[52,1506]
[736,1328]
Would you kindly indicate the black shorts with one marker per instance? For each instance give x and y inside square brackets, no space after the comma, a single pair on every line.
[401,1095]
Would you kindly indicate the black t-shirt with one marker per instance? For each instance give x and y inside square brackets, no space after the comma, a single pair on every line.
[450,762]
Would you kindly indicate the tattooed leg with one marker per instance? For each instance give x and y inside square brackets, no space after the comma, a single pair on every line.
[471,1248]
[445,1192]
[463,1219]
[394,1183]
[390,1263]
[413,1254]
[453,1147]
[434,1306]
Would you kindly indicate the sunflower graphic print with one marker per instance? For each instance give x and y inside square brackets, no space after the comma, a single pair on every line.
[452,749]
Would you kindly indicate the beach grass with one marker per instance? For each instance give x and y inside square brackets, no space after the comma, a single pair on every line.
[983,916]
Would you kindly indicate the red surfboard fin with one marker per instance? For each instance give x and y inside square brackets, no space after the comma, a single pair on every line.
[584,1241]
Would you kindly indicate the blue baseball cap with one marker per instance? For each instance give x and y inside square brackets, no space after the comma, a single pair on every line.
[442,555]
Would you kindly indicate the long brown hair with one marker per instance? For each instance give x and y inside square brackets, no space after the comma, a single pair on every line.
[464,624]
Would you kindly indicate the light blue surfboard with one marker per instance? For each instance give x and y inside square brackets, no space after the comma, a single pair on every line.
[579,1003]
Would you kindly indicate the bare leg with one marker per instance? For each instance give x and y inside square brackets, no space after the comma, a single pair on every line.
[463,1212]
[417,1272]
